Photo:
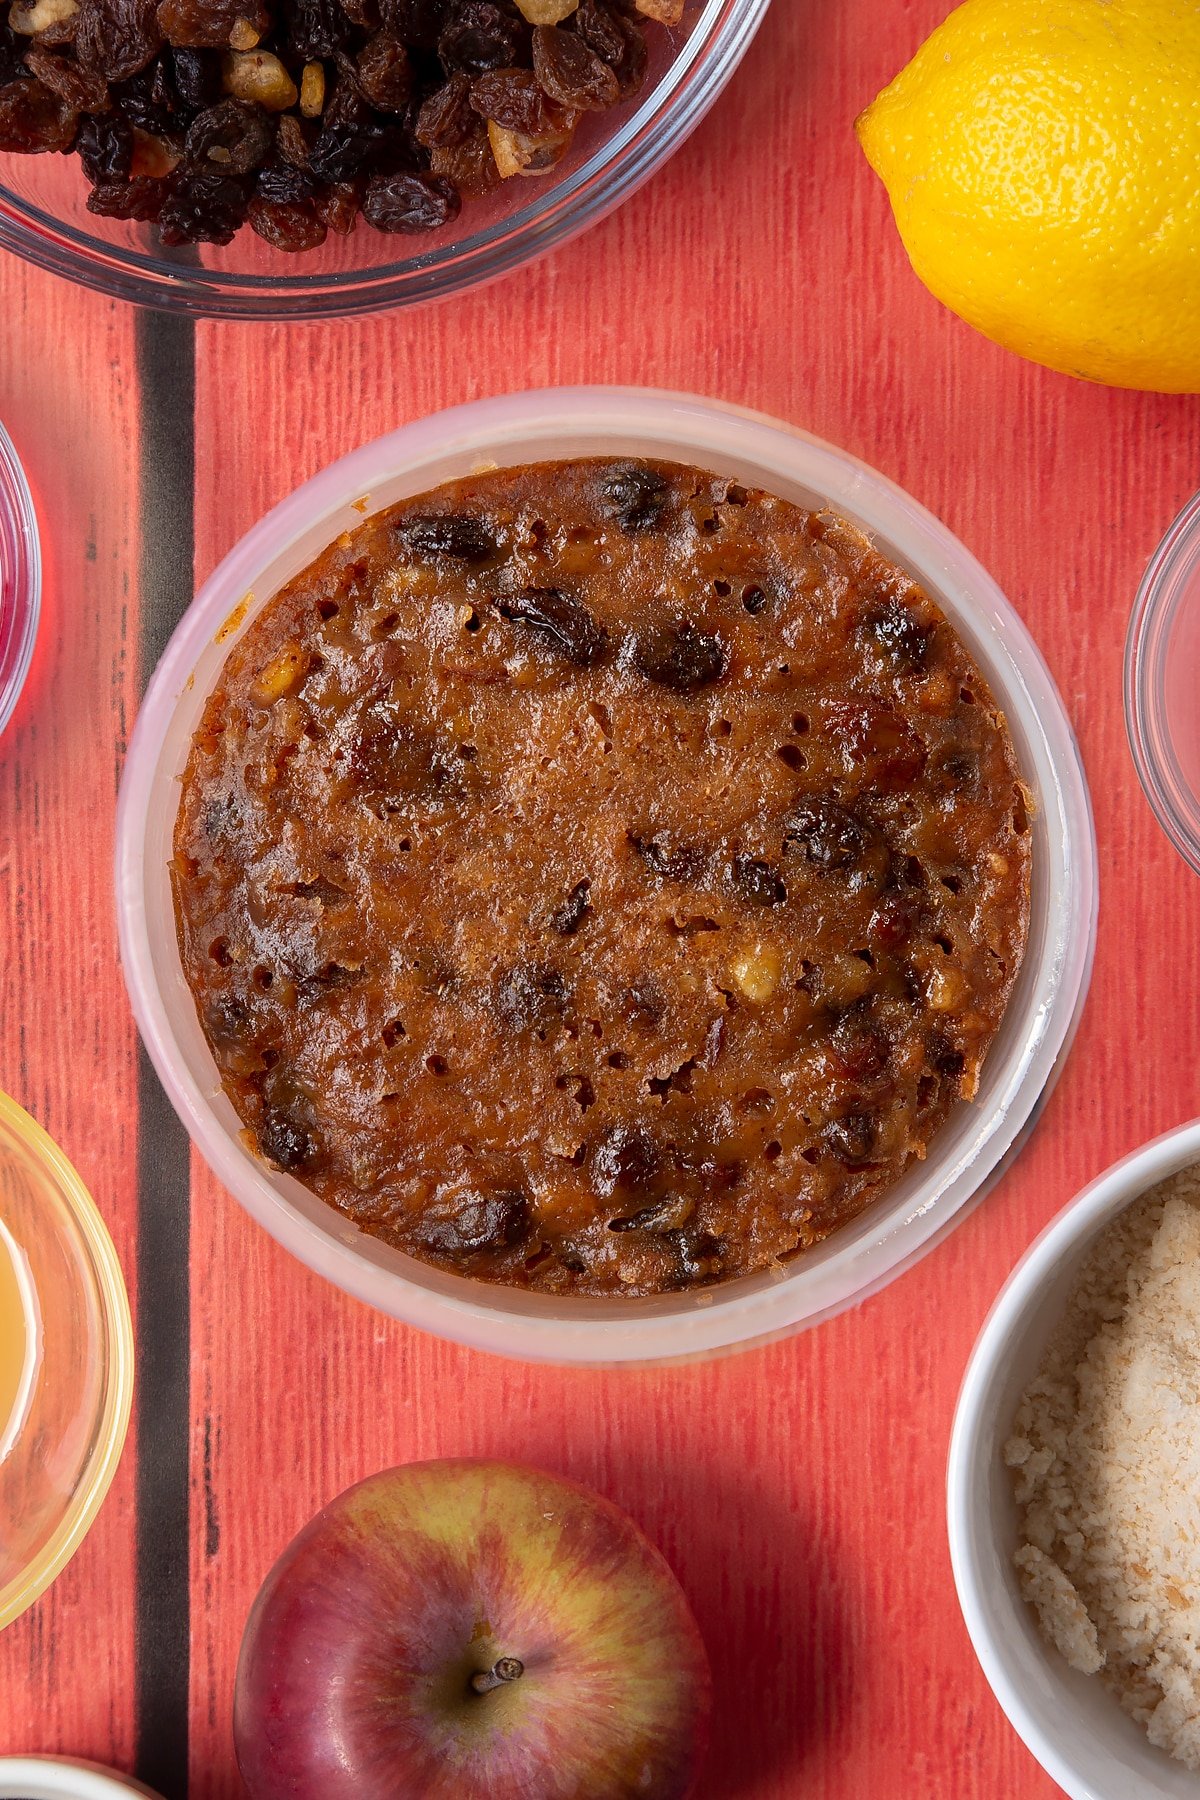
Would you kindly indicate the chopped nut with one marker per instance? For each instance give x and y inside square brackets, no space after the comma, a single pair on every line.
[996,863]
[517,154]
[756,972]
[244,36]
[282,676]
[667,12]
[547,12]
[947,990]
[312,90]
[43,15]
[153,156]
[258,76]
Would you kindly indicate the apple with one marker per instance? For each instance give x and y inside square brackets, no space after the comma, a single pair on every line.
[465,1630]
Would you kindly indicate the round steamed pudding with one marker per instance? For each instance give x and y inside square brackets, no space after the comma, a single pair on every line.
[600,877]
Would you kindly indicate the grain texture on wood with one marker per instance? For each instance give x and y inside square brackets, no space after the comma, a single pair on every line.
[797,1490]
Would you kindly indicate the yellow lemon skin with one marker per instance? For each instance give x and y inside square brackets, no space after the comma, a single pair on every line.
[1042,158]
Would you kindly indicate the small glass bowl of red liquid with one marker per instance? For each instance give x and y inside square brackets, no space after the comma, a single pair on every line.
[1162,683]
[20,577]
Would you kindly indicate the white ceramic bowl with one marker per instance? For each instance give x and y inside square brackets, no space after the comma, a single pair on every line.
[54,1778]
[1041,1016]
[1069,1721]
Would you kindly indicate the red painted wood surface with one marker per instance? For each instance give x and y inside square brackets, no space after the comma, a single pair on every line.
[797,1490]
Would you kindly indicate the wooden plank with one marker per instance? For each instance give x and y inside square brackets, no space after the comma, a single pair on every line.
[67,1044]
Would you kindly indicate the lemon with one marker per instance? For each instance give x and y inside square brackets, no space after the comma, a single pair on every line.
[1042,158]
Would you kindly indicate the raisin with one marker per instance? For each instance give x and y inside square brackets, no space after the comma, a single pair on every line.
[234,137]
[634,496]
[197,77]
[626,1161]
[480,1223]
[316,29]
[418,22]
[900,634]
[202,207]
[561,620]
[349,137]
[891,923]
[701,1255]
[338,206]
[410,203]
[81,89]
[860,1049]
[646,1004]
[140,199]
[117,38]
[33,119]
[280,184]
[756,881]
[667,1215]
[396,765]
[151,100]
[460,536]
[105,146]
[512,98]
[447,117]
[285,1142]
[571,72]
[385,73]
[286,225]
[678,657]
[617,40]
[943,1057]
[290,141]
[469,165]
[567,918]
[206,24]
[829,836]
[683,862]
[851,1139]
[12,53]
[478,38]
[531,997]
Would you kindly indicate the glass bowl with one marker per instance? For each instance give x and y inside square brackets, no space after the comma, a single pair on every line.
[1162,683]
[973,1142]
[20,577]
[56,1778]
[43,215]
[66,1371]
[1070,1722]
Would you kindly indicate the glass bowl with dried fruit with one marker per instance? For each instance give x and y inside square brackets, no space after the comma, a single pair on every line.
[284,158]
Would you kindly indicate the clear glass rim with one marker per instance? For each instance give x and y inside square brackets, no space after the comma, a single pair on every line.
[112,1421]
[19,530]
[888,1237]
[653,132]
[1147,649]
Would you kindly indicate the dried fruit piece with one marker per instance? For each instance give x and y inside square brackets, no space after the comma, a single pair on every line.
[316,29]
[447,117]
[571,73]
[338,206]
[285,1142]
[479,1224]
[197,77]
[244,36]
[900,634]
[667,12]
[235,137]
[634,495]
[851,1139]
[117,38]
[516,153]
[757,882]
[459,535]
[139,199]
[312,90]
[105,146]
[567,918]
[78,88]
[546,12]
[290,141]
[829,836]
[627,1161]
[678,657]
[469,165]
[410,203]
[479,37]
[617,40]
[33,119]
[208,24]
[202,207]
[559,619]
[282,185]
[286,225]
[259,76]
[385,73]
[684,863]
[532,996]
[514,99]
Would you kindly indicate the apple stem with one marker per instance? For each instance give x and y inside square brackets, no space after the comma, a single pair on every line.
[501,1672]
